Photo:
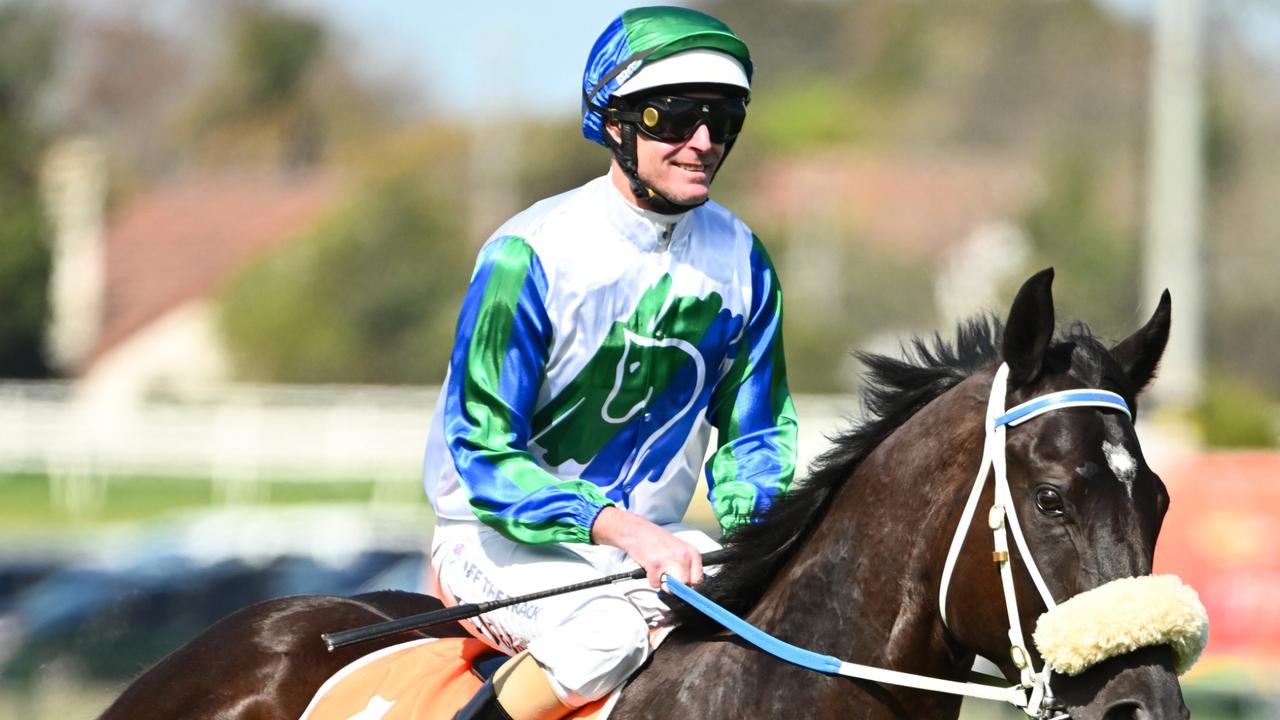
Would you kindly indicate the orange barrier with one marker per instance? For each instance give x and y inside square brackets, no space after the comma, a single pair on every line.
[1222,537]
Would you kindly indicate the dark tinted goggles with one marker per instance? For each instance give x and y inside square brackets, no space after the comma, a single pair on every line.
[675,119]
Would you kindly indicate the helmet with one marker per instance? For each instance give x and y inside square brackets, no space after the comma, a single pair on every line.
[655,47]
[646,48]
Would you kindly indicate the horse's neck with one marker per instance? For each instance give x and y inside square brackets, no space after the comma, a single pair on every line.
[873,564]
[863,588]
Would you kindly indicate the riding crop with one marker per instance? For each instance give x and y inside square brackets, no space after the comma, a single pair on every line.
[422,621]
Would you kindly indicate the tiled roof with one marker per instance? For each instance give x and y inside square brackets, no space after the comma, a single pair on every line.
[180,241]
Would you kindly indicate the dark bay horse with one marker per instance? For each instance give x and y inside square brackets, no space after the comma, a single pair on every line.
[849,563]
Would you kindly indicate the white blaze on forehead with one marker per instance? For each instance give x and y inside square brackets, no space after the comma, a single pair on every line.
[1122,464]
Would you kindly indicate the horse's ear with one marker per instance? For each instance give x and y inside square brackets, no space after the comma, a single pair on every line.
[1029,329]
[1140,353]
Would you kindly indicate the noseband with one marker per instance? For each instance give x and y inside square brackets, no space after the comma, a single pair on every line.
[1182,622]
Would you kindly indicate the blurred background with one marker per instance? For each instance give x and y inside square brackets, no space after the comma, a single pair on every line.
[234,237]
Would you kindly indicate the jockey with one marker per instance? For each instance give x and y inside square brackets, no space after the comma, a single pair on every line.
[604,333]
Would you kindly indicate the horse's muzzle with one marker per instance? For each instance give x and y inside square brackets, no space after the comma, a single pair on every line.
[1140,685]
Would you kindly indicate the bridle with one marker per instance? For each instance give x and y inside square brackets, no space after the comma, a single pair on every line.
[1032,694]
[1002,519]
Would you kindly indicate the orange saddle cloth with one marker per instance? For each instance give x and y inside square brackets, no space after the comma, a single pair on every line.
[426,679]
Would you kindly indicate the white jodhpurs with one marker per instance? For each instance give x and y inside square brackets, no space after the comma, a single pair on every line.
[589,641]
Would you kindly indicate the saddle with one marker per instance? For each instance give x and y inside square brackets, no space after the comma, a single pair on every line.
[426,679]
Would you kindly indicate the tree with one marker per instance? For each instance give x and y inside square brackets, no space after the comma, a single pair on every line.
[259,103]
[371,295]
[1096,260]
[123,82]
[27,45]
[284,95]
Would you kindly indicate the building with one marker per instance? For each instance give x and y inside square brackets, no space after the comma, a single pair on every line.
[132,290]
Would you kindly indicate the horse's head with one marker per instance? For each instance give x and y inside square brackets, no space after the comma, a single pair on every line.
[1089,508]
[884,553]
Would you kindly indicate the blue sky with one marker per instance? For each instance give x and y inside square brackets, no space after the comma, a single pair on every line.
[483,56]
[475,54]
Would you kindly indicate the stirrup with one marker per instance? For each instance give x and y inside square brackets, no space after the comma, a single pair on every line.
[483,706]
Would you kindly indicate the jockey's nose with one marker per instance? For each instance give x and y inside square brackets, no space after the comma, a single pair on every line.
[701,138]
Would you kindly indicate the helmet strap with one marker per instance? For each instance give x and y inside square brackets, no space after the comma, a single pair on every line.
[624,152]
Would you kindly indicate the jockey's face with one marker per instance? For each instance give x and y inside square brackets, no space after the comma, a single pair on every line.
[680,170]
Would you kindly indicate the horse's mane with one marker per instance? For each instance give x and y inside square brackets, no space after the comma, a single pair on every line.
[894,389]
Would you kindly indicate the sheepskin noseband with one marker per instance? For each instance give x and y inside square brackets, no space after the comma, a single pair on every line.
[1120,617]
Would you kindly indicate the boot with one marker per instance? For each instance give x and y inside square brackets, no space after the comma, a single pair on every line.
[519,690]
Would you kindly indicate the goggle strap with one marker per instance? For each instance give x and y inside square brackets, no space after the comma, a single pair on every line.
[622,115]
[590,97]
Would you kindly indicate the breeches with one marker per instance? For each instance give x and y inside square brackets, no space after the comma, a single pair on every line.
[589,641]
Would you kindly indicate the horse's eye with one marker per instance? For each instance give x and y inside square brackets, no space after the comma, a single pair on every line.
[1049,501]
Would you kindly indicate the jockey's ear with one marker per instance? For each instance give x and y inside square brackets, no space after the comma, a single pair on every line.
[1029,329]
[1140,353]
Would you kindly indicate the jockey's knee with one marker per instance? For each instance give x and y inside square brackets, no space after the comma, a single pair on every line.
[594,650]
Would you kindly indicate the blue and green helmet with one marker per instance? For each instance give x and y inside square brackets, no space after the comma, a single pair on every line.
[627,57]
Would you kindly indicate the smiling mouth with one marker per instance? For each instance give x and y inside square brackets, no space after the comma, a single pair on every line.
[698,168]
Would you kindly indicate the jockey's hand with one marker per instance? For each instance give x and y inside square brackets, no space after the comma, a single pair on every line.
[653,548]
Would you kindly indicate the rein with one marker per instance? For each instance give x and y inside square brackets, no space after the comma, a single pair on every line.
[1032,693]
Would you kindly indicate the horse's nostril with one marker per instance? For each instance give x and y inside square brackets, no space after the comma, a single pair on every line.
[1127,710]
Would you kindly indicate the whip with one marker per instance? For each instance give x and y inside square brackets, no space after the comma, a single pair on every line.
[422,621]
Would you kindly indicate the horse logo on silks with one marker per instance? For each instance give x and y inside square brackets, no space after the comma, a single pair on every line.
[629,367]
[616,411]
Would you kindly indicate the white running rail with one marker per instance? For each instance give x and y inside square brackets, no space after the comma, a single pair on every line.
[241,436]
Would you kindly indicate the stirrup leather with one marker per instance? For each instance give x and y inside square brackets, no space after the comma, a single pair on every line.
[483,706]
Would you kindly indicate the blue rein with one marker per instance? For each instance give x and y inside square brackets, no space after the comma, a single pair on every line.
[825,664]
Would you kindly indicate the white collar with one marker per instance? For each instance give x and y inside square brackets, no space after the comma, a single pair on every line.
[649,230]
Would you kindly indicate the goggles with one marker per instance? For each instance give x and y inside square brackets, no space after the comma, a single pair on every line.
[676,119]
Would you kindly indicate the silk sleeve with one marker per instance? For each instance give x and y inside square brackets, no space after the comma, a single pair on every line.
[499,358]
[752,411]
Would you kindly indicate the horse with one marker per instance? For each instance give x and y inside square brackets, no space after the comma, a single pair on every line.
[851,560]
